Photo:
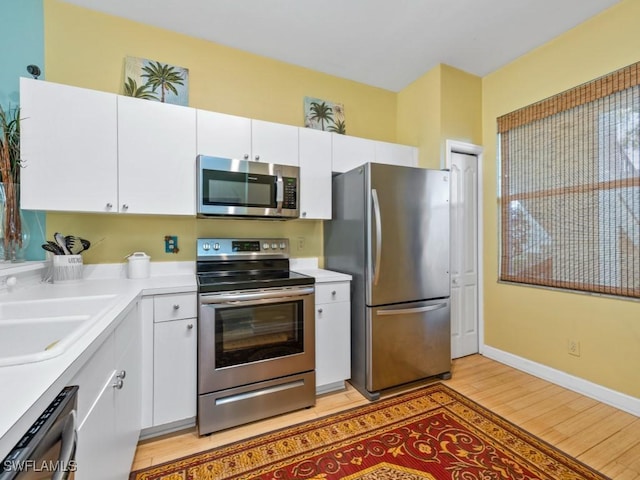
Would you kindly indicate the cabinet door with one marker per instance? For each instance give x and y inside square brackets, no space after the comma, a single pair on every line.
[128,411]
[156,157]
[222,135]
[396,154]
[333,344]
[96,437]
[68,143]
[350,152]
[315,174]
[174,382]
[274,143]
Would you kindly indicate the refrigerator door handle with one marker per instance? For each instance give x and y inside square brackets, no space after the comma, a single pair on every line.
[376,211]
[403,311]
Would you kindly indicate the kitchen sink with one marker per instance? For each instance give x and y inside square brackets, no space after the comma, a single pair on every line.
[37,330]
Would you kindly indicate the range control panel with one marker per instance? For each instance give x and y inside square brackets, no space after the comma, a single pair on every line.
[242,248]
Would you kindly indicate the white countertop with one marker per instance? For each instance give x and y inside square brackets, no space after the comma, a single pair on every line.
[26,390]
[309,266]
[324,276]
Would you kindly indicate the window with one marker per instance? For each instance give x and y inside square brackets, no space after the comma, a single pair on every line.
[570,188]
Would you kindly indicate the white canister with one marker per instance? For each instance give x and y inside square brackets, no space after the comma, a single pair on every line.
[138,267]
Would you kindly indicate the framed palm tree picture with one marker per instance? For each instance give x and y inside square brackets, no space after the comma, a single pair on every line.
[324,115]
[154,80]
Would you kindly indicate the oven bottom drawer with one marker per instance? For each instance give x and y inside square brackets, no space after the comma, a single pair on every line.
[235,406]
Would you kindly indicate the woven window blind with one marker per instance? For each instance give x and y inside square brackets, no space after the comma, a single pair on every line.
[570,188]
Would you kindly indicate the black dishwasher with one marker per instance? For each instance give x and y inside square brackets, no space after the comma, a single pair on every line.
[47,450]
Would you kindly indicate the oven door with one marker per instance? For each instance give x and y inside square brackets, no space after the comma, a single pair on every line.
[254,335]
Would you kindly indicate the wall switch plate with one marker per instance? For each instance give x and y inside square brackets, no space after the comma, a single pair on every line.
[171,244]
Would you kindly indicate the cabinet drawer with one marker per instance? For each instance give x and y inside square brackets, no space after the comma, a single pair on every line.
[332,292]
[174,307]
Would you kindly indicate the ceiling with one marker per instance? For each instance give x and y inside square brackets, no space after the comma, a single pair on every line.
[383,43]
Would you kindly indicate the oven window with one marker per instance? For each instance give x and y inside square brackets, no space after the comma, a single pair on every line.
[258,332]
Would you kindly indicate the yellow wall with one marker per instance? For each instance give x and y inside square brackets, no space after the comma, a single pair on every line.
[419,117]
[87,49]
[536,323]
[443,104]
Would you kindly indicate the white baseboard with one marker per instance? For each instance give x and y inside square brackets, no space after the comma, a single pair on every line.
[616,399]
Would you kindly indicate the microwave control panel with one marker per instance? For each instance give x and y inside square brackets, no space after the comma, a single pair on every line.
[290,199]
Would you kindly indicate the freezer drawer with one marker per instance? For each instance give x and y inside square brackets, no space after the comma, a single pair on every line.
[407,342]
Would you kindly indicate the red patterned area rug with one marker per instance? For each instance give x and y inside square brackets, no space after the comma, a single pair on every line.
[432,433]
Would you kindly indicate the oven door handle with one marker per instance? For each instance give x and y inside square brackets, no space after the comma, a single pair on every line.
[235,298]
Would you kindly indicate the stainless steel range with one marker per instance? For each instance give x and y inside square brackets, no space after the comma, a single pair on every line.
[256,332]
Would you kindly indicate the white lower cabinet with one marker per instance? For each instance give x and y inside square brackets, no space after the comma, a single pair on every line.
[169,362]
[109,408]
[174,364]
[333,335]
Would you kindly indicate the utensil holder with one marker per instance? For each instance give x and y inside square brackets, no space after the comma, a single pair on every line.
[67,268]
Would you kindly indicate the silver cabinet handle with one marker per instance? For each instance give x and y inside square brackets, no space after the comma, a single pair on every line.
[238,297]
[304,214]
[257,158]
[109,206]
[246,156]
[190,326]
[176,306]
[125,206]
[376,209]
[118,385]
[403,311]
[319,310]
[122,374]
[333,293]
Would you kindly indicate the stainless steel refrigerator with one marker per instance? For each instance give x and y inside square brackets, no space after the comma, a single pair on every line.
[390,231]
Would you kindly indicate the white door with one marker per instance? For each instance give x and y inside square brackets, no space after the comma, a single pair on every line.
[315,174]
[464,254]
[156,157]
[222,135]
[274,143]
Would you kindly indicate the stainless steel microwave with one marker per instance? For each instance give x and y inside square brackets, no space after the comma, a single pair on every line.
[242,188]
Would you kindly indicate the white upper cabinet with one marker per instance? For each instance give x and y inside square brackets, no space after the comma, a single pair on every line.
[274,143]
[69,148]
[230,136]
[222,135]
[315,174]
[350,152]
[156,154]
[396,154]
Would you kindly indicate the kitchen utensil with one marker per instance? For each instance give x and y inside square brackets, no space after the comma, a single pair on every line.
[56,248]
[74,244]
[59,238]
[85,244]
[49,248]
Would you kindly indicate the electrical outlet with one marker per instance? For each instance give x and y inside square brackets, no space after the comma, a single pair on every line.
[301,243]
[171,244]
[573,347]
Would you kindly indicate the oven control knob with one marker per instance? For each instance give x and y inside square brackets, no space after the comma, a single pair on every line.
[274,246]
[282,246]
[216,246]
[265,246]
[206,246]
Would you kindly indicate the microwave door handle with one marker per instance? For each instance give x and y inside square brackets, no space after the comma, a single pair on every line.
[279,191]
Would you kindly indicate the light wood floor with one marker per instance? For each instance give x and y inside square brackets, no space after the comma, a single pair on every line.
[601,436]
